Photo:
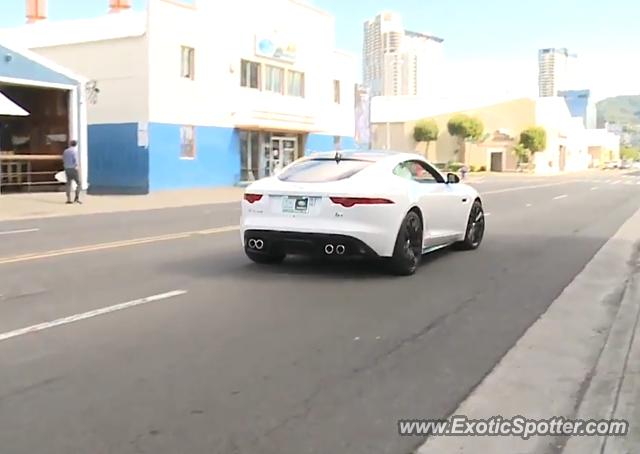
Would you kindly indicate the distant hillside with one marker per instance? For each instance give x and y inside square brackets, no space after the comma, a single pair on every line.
[621,110]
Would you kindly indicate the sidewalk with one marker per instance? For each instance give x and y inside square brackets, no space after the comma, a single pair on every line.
[44,205]
[614,389]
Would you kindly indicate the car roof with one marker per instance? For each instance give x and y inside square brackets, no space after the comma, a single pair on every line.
[364,155]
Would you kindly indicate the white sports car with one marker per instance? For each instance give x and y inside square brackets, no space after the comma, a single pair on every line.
[369,203]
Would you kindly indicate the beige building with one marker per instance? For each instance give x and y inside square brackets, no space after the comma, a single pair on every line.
[393,123]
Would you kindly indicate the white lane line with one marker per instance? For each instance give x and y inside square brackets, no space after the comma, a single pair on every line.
[487,214]
[522,188]
[14,232]
[563,196]
[617,182]
[529,205]
[90,314]
[595,188]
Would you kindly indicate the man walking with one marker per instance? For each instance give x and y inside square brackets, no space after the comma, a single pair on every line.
[70,160]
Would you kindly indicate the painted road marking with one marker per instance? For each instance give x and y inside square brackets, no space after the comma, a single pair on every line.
[487,214]
[14,232]
[85,315]
[617,182]
[595,188]
[529,205]
[115,244]
[522,188]
[563,196]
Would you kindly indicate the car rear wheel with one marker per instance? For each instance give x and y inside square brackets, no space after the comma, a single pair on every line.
[265,257]
[475,228]
[407,253]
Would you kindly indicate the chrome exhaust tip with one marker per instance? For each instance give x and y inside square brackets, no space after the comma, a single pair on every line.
[252,243]
[340,249]
[259,244]
[328,249]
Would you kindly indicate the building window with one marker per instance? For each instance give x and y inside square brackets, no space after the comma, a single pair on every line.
[250,74]
[188,63]
[274,79]
[336,91]
[188,142]
[295,84]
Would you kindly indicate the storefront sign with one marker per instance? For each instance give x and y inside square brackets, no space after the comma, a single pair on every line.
[275,46]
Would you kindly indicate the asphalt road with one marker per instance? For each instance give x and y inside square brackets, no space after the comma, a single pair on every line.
[307,357]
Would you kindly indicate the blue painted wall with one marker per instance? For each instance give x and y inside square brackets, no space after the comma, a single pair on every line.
[217,161]
[117,165]
[17,66]
[323,142]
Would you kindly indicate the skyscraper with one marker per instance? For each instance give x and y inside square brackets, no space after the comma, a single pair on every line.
[556,71]
[398,62]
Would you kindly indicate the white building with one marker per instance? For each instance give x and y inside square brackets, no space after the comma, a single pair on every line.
[397,62]
[204,95]
[556,71]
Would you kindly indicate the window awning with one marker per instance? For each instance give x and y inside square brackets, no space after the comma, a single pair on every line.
[10,108]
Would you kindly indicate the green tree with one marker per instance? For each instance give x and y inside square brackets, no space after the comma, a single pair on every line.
[630,153]
[426,130]
[534,139]
[465,128]
[522,154]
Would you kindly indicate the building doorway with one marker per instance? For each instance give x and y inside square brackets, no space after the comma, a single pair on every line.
[563,158]
[496,161]
[263,153]
[280,151]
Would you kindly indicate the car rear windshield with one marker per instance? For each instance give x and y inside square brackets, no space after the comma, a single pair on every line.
[323,170]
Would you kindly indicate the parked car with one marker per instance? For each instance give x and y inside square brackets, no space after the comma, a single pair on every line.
[625,164]
[611,165]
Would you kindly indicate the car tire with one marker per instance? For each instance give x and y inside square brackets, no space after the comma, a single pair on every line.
[474,232]
[407,252]
[265,258]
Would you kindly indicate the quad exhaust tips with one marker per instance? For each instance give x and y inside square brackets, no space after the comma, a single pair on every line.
[340,249]
[328,249]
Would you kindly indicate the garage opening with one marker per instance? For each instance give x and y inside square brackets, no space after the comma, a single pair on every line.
[31,147]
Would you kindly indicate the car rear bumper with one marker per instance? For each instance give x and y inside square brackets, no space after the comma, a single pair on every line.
[317,244]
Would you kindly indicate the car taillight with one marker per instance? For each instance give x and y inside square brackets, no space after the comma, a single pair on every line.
[348,202]
[251,198]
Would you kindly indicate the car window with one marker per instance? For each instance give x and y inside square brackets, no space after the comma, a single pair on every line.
[323,170]
[417,171]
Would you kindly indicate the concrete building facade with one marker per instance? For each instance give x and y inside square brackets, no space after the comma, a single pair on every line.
[556,71]
[393,122]
[184,103]
[398,62]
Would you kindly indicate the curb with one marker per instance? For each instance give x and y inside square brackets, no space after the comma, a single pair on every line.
[604,397]
[548,370]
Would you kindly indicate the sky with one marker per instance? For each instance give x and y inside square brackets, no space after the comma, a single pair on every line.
[489,46]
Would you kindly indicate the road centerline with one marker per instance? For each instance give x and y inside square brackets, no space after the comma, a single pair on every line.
[91,314]
[114,244]
[16,232]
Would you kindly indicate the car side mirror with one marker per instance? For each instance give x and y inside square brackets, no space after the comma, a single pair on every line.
[452,178]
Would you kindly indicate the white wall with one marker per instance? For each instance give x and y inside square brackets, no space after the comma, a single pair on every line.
[221,36]
[562,129]
[119,68]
